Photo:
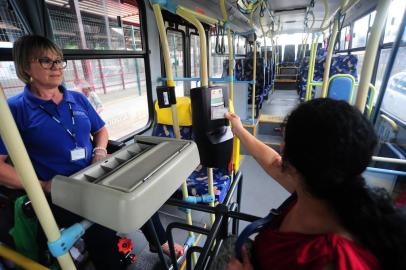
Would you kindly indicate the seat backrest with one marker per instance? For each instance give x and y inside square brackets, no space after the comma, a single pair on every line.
[163,126]
[340,87]
[344,64]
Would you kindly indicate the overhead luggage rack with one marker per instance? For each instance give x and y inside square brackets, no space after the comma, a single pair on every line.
[123,191]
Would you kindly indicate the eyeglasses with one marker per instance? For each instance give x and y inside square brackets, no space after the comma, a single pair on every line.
[47,63]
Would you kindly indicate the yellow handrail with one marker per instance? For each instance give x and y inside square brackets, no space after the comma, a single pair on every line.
[203,48]
[19,259]
[392,123]
[170,82]
[310,72]
[204,82]
[18,154]
[236,141]
[371,100]
[370,53]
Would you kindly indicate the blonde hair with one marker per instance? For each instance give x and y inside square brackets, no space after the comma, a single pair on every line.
[28,48]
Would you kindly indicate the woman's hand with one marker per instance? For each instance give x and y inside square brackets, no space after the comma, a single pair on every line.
[46,185]
[99,154]
[236,124]
[235,264]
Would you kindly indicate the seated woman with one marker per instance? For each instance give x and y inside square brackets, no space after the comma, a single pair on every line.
[56,126]
[335,220]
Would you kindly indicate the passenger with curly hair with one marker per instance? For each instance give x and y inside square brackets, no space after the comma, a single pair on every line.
[335,221]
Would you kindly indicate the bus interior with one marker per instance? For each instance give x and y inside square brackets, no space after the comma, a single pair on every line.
[149,61]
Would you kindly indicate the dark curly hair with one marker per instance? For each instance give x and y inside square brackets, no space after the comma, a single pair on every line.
[331,143]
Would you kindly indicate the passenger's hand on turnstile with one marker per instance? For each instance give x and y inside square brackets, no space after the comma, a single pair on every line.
[235,264]
[235,120]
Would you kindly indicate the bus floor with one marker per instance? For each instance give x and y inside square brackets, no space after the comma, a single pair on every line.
[280,102]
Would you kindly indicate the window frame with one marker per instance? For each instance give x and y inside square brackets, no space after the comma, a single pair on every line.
[193,33]
[82,54]
[176,29]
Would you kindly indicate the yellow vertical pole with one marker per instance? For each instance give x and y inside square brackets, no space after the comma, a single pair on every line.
[254,60]
[330,51]
[236,141]
[329,56]
[264,35]
[204,79]
[254,77]
[170,82]
[230,51]
[18,154]
[310,72]
[370,53]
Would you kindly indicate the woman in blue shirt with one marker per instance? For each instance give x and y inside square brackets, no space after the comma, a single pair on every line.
[56,126]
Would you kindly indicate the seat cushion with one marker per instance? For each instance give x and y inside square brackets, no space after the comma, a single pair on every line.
[197,183]
[160,130]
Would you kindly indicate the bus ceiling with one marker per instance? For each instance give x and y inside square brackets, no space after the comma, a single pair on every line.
[289,15]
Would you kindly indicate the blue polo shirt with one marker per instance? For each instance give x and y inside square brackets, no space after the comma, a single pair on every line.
[48,143]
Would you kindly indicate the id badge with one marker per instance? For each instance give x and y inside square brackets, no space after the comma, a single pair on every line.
[77,154]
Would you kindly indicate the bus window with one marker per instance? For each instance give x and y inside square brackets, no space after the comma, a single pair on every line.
[121,86]
[395,13]
[395,96]
[11,29]
[360,32]
[117,80]
[176,44]
[194,57]
[216,60]
[345,38]
[383,61]
[8,79]
[108,26]
[240,44]
[10,26]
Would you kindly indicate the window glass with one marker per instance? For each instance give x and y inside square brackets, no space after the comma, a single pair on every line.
[175,42]
[345,38]
[218,41]
[241,45]
[360,32]
[216,65]
[395,14]
[194,58]
[107,25]
[394,101]
[383,61]
[9,80]
[121,87]
[118,84]
[10,26]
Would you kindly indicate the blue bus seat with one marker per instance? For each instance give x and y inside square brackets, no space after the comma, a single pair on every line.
[340,64]
[340,87]
[197,181]
[260,90]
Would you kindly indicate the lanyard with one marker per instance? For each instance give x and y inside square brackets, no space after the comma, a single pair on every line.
[70,132]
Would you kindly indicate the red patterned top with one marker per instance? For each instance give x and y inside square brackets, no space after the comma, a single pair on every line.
[290,251]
